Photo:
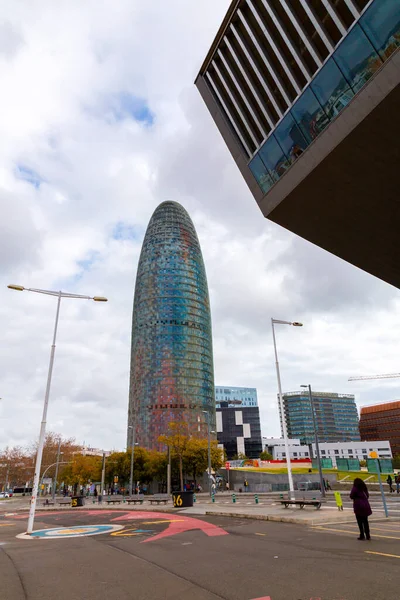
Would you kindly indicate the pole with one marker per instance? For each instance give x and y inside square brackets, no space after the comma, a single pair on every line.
[209,453]
[378,470]
[169,472]
[42,434]
[284,429]
[56,475]
[321,478]
[103,473]
[229,483]
[132,455]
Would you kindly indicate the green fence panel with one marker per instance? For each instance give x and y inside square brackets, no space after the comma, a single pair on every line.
[342,464]
[354,464]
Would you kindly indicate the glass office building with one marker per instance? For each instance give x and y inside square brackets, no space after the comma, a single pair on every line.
[172,376]
[336,417]
[235,396]
[277,80]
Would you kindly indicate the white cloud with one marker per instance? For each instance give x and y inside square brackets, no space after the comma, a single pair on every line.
[79,180]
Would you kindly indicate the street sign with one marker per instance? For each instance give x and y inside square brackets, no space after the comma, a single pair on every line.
[227,466]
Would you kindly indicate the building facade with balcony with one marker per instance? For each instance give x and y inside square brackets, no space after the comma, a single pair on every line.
[305,94]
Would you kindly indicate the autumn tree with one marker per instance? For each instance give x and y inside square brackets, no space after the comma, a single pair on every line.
[177,440]
[16,467]
[68,449]
[195,458]
[82,470]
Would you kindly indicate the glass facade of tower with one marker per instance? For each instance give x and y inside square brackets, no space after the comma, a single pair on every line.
[336,417]
[172,375]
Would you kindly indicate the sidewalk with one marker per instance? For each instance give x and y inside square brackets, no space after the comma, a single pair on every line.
[265,510]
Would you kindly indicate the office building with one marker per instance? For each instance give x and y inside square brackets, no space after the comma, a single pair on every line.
[336,416]
[382,422]
[172,373]
[305,94]
[235,396]
[239,430]
[276,447]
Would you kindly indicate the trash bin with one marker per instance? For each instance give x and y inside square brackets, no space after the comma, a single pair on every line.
[182,499]
[77,501]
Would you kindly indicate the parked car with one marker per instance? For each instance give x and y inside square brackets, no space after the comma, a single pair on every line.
[4,495]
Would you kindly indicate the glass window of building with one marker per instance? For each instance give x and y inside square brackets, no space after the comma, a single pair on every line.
[290,138]
[261,174]
[309,115]
[274,158]
[357,58]
[331,89]
[381,23]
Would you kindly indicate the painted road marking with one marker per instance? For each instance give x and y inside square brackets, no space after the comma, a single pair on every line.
[389,537]
[382,554]
[69,532]
[260,534]
[131,532]
[174,527]
[263,598]
[166,521]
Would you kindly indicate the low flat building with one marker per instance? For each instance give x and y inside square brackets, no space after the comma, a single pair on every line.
[239,430]
[276,447]
[357,450]
[382,422]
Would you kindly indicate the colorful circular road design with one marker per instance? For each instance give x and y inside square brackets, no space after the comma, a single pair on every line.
[69,532]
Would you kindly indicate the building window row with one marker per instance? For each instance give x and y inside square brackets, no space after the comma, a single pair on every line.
[357,58]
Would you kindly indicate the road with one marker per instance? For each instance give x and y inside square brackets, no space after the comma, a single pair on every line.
[163,556]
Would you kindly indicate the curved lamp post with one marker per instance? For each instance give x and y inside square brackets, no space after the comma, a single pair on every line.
[36,479]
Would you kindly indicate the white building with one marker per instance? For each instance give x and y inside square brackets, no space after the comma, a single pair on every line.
[276,447]
[360,450]
[333,450]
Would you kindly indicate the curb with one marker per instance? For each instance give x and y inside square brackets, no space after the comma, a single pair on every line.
[276,518]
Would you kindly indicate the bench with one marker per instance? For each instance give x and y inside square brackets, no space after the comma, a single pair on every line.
[64,501]
[48,502]
[136,499]
[303,499]
[159,498]
[114,499]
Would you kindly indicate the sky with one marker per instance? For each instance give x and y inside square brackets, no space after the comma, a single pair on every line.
[99,123]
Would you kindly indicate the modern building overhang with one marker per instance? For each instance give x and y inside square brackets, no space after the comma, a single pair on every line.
[343,193]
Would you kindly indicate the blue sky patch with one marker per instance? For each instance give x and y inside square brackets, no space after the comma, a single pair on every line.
[28,175]
[123,231]
[128,106]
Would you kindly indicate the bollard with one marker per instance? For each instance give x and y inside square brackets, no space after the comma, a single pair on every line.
[194,497]
[234,498]
[212,497]
[256,498]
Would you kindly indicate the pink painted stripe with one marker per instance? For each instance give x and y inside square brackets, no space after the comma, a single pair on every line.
[263,598]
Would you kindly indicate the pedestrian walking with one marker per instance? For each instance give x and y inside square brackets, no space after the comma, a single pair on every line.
[227,486]
[246,485]
[397,482]
[389,481]
[362,509]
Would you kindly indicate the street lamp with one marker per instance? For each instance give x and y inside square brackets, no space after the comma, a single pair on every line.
[283,418]
[36,479]
[133,444]
[209,450]
[56,475]
[321,479]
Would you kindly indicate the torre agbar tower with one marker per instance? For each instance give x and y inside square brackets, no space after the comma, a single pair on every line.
[172,373]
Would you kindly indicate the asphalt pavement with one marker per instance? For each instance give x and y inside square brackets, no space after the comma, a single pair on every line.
[155,555]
